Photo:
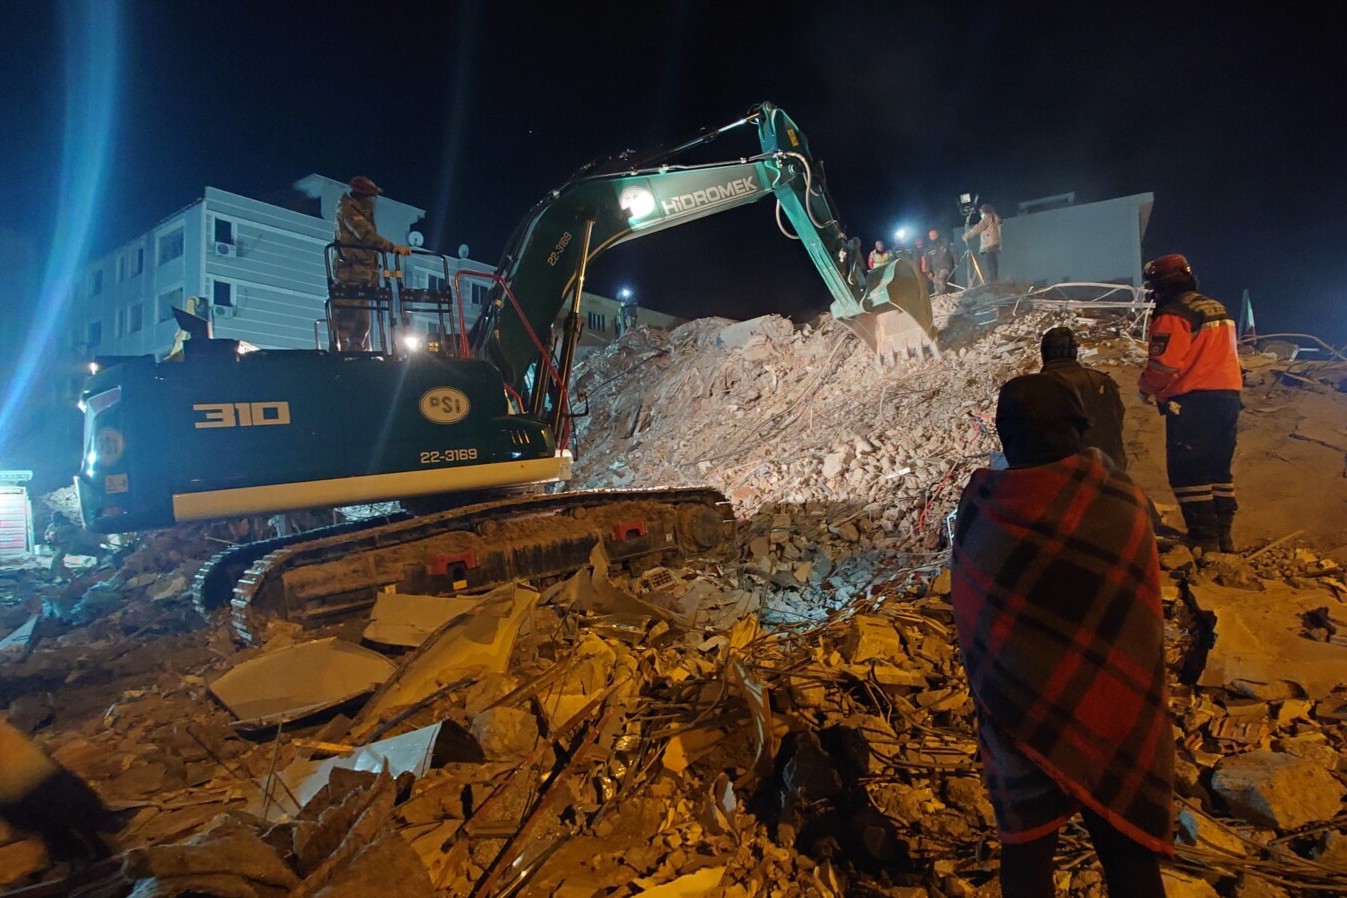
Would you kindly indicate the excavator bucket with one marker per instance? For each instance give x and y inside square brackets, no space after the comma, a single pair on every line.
[894,315]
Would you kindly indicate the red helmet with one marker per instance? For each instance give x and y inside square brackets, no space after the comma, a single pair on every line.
[1169,273]
[363,186]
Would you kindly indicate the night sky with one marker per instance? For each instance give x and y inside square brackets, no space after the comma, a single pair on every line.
[474,110]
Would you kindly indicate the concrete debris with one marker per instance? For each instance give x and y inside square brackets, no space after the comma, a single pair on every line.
[794,723]
[1182,885]
[21,860]
[409,620]
[1259,642]
[299,681]
[1275,789]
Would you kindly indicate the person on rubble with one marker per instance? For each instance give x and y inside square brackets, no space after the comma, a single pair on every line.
[919,260]
[40,796]
[358,247]
[1193,376]
[988,232]
[879,256]
[939,262]
[67,537]
[1056,594]
[1098,393]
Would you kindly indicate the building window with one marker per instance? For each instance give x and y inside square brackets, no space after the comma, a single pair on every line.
[95,334]
[168,302]
[96,282]
[597,321]
[224,230]
[170,246]
[138,261]
[479,293]
[222,293]
[435,283]
[118,323]
[121,268]
[135,319]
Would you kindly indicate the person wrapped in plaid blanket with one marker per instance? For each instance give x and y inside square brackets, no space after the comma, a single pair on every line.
[1057,606]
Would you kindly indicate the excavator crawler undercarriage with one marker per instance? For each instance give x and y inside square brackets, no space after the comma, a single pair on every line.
[328,575]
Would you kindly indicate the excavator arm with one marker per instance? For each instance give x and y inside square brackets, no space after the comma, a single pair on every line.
[610,202]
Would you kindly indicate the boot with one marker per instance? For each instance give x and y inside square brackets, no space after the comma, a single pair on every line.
[1223,537]
[1200,518]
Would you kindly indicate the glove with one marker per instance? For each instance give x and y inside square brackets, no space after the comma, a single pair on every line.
[1146,398]
[402,250]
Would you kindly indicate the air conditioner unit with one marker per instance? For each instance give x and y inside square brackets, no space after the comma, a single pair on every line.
[225,249]
[223,311]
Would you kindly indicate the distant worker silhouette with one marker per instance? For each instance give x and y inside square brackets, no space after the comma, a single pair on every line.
[358,247]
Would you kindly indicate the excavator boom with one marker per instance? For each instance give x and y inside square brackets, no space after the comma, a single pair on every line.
[613,201]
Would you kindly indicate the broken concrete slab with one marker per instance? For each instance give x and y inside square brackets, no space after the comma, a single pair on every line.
[19,861]
[408,620]
[692,885]
[1275,789]
[299,681]
[228,855]
[1258,639]
[464,647]
[1196,828]
[872,638]
[1183,885]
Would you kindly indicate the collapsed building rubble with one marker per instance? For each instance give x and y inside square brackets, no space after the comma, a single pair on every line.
[793,723]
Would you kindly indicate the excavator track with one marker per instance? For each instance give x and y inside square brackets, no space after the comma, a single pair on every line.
[327,575]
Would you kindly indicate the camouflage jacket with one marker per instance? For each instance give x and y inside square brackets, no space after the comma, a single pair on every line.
[355,227]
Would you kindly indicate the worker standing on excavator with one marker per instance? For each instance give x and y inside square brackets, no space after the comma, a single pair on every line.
[1193,376]
[358,247]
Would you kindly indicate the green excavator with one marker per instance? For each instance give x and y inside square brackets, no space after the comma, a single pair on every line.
[482,415]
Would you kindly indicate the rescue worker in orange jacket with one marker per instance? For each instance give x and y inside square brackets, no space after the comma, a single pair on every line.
[1193,375]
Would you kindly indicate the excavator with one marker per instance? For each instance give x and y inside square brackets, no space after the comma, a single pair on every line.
[469,432]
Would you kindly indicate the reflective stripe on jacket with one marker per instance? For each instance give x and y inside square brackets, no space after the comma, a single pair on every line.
[1192,347]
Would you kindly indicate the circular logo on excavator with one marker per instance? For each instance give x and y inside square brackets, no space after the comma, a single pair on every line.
[109,445]
[445,405]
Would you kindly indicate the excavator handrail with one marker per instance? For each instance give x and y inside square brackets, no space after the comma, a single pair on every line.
[543,353]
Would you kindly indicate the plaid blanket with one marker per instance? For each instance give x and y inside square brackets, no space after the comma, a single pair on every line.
[1057,605]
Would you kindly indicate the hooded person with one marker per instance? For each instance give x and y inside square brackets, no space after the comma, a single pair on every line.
[1098,393]
[40,796]
[1057,606]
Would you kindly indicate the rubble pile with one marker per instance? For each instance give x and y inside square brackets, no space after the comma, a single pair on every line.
[845,469]
[793,723]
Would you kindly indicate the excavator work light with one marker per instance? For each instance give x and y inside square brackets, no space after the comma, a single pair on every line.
[637,202]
